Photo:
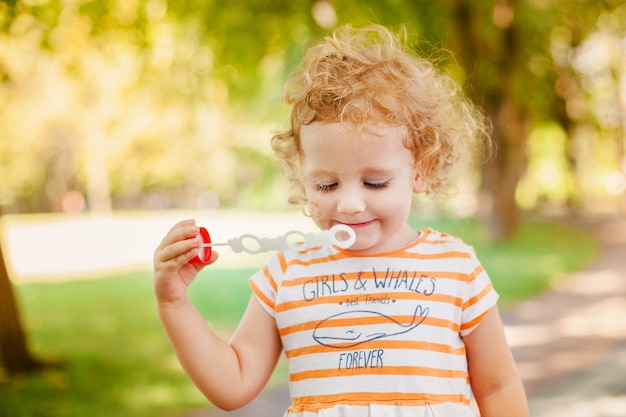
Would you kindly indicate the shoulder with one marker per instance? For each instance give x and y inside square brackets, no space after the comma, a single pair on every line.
[290,262]
[436,239]
[312,256]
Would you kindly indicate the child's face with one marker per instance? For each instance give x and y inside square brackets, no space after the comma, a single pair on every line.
[363,178]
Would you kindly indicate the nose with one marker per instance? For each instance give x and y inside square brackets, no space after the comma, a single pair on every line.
[350,202]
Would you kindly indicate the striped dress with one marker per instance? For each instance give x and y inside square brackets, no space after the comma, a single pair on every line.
[377,335]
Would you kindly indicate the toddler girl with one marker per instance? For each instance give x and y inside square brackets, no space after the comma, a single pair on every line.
[402,323]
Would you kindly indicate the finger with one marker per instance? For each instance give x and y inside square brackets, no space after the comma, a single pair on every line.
[182,230]
[213,258]
[200,265]
[179,252]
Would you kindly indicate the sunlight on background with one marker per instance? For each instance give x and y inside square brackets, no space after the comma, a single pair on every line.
[548,175]
[160,108]
[120,118]
[615,183]
[67,247]
[134,109]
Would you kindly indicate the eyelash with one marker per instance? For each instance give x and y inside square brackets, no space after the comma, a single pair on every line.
[371,185]
[326,187]
[376,185]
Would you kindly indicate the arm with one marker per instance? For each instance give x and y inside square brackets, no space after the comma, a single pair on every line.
[493,374]
[229,374]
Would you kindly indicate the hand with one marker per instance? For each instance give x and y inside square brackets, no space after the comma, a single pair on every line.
[172,271]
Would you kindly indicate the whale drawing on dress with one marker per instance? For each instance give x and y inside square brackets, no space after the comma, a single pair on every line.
[328,333]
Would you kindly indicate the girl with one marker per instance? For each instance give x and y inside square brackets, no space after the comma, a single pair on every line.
[404,322]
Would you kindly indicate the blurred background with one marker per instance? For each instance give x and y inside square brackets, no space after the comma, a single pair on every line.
[120,117]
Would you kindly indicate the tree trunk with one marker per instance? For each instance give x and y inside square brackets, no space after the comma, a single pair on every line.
[501,174]
[15,357]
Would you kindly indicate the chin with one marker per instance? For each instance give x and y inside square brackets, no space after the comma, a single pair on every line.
[361,246]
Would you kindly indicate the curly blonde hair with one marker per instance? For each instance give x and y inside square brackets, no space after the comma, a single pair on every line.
[360,76]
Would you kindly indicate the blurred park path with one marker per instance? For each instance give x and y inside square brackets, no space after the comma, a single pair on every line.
[56,247]
[569,342]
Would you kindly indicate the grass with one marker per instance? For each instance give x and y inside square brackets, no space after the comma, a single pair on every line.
[116,360]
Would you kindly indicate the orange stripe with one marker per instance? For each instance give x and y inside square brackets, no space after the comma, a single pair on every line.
[319,402]
[474,322]
[282,262]
[261,295]
[337,322]
[386,370]
[401,254]
[433,256]
[475,273]
[471,301]
[446,324]
[315,261]
[419,255]
[382,344]
[270,278]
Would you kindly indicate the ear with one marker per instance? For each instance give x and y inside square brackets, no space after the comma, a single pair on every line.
[419,184]
[421,177]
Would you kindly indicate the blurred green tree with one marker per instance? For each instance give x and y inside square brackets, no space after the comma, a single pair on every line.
[148,103]
[512,58]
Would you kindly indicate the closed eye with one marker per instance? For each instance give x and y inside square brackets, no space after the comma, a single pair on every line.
[327,187]
[376,185]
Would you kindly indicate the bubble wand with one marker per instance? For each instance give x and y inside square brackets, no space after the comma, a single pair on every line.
[293,240]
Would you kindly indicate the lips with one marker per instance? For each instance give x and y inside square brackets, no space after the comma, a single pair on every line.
[359,225]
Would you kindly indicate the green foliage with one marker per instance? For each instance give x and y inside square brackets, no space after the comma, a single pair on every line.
[547,176]
[120,98]
[115,356]
[149,90]
[538,256]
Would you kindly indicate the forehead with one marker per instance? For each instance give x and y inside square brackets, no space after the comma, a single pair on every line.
[333,146]
[335,134]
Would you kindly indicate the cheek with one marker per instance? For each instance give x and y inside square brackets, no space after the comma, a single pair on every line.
[320,207]
[312,197]
[313,201]
[318,201]
[392,200]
